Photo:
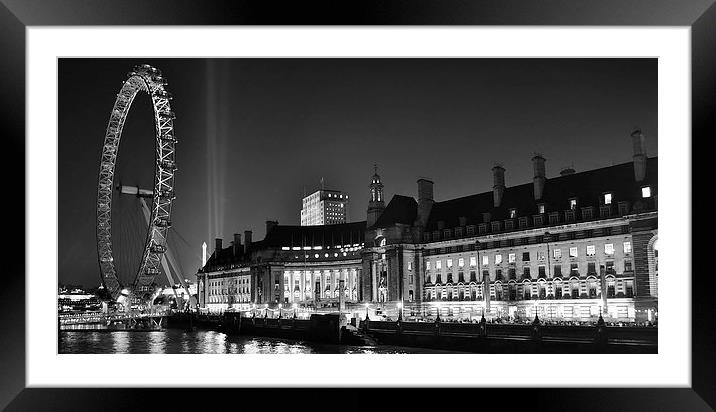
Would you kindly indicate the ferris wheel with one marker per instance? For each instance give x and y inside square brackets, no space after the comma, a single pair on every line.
[144,78]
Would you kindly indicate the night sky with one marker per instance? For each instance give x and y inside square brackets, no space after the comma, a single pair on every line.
[256,134]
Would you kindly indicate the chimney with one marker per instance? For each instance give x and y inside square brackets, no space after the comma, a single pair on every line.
[539,179]
[637,138]
[247,240]
[567,171]
[218,245]
[425,201]
[498,186]
[237,243]
[270,224]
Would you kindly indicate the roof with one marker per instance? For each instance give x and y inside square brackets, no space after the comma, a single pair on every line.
[318,235]
[587,187]
[401,209]
[225,255]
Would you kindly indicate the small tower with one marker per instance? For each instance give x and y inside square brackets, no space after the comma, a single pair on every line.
[376,203]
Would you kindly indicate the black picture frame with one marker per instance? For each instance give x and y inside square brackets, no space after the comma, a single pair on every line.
[16,15]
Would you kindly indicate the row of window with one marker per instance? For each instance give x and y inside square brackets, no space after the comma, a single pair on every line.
[353,247]
[523,222]
[566,236]
[588,290]
[526,256]
[220,283]
[608,268]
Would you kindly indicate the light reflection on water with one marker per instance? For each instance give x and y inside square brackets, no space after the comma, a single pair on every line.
[157,342]
[120,341]
[197,342]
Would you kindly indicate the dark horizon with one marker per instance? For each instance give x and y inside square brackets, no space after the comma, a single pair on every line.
[255,133]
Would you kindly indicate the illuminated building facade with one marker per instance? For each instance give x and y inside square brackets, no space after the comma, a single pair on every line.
[310,266]
[324,207]
[567,248]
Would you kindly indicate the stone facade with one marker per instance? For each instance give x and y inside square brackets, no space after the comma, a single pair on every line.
[570,247]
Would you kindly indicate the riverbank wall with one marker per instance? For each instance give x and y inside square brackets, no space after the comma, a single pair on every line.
[515,338]
[463,337]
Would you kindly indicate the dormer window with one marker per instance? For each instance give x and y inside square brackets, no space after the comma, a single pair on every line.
[513,213]
[573,204]
[607,198]
[646,192]
[523,222]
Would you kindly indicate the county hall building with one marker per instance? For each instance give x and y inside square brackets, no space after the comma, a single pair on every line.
[569,247]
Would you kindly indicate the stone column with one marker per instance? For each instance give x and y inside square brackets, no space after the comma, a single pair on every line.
[486,291]
[374,280]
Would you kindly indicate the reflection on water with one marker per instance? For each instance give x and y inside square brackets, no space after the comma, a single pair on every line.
[120,340]
[179,341]
[157,342]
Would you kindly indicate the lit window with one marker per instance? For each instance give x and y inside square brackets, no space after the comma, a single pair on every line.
[573,252]
[461,262]
[438,264]
[572,204]
[498,259]
[627,247]
[540,255]
[427,265]
[609,248]
[449,263]
[591,250]
[513,213]
[540,208]
[410,265]
[485,260]
[557,253]
[511,258]
[607,198]
[646,191]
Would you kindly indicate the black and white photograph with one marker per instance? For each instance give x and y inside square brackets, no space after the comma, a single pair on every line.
[357,206]
[239,202]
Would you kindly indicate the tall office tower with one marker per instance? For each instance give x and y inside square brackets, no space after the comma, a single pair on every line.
[324,207]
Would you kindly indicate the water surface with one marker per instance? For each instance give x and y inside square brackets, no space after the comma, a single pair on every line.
[204,341]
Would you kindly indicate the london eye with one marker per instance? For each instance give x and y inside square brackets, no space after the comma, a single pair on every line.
[137,283]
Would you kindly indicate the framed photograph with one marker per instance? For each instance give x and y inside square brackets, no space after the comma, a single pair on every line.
[390,195]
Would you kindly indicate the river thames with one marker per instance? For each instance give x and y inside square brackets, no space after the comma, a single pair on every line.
[173,341]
